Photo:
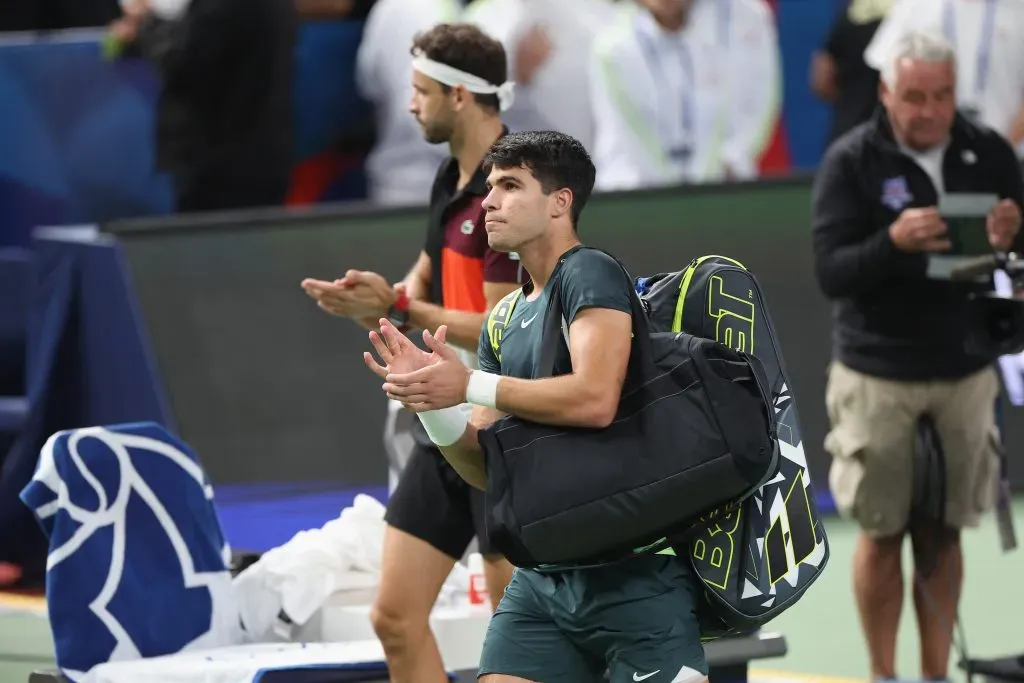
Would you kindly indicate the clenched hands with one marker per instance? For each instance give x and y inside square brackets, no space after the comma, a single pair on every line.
[421,381]
[360,294]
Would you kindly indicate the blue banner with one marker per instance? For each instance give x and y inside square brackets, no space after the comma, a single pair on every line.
[76,130]
[76,134]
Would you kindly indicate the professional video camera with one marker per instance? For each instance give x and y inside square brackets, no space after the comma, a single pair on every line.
[997,316]
[997,326]
[996,329]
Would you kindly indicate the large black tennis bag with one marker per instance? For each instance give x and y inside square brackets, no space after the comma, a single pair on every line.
[694,429]
[755,558]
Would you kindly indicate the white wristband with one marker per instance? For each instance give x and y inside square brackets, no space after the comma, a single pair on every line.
[444,427]
[482,389]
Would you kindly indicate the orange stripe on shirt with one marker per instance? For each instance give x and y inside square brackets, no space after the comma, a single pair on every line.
[462,281]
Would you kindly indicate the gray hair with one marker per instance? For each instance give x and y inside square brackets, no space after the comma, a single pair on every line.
[921,46]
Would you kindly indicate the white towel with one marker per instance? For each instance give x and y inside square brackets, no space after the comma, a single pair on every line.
[290,583]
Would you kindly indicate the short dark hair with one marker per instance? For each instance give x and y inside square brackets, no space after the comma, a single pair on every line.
[556,160]
[466,48]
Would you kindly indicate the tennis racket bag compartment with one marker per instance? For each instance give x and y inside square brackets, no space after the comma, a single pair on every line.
[755,558]
[694,429]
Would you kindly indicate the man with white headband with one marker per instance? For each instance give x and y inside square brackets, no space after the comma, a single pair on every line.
[450,76]
[460,89]
[547,44]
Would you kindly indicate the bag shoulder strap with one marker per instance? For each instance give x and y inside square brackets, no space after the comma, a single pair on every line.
[498,319]
[555,326]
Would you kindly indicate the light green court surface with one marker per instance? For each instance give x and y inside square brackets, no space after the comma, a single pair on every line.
[822,630]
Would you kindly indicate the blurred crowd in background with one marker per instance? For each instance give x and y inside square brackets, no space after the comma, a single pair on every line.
[661,92]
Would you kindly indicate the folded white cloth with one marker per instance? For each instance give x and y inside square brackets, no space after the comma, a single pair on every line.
[290,583]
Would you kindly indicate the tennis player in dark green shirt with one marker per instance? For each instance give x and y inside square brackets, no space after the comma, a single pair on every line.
[635,619]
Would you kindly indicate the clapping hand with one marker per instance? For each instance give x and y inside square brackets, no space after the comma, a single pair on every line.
[421,381]
[399,355]
[360,294]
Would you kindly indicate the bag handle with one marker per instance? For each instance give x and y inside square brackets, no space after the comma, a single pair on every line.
[640,354]
[761,378]
[750,369]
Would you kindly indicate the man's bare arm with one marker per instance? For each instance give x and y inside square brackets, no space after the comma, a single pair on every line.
[465,455]
[599,345]
[417,280]
[463,326]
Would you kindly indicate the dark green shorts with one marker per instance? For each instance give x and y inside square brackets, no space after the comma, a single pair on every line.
[636,619]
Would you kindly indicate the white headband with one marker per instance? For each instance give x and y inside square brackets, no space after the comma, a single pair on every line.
[449,75]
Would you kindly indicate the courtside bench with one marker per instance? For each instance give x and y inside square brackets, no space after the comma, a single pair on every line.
[729,658]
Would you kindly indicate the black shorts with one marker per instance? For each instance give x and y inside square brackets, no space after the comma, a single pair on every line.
[434,504]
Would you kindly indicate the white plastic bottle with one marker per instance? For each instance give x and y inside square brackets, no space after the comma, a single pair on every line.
[478,596]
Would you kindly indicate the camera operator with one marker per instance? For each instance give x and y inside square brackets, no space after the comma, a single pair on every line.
[899,345]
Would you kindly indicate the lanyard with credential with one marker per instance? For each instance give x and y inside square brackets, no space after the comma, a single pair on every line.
[988,28]
[678,151]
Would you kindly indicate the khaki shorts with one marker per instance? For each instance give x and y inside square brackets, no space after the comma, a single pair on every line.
[873,437]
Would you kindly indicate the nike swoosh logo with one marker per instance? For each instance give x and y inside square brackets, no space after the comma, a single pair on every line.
[638,677]
[524,324]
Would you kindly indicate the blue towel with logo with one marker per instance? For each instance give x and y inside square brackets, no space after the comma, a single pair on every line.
[137,563]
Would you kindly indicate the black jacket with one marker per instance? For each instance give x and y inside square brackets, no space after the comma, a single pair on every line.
[890,319]
[227,71]
[56,15]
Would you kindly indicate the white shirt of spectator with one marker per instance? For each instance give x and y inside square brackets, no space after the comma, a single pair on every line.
[930,161]
[755,63]
[168,10]
[988,36]
[402,165]
[557,98]
[671,108]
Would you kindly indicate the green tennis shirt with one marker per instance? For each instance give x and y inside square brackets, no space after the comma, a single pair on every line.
[585,278]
